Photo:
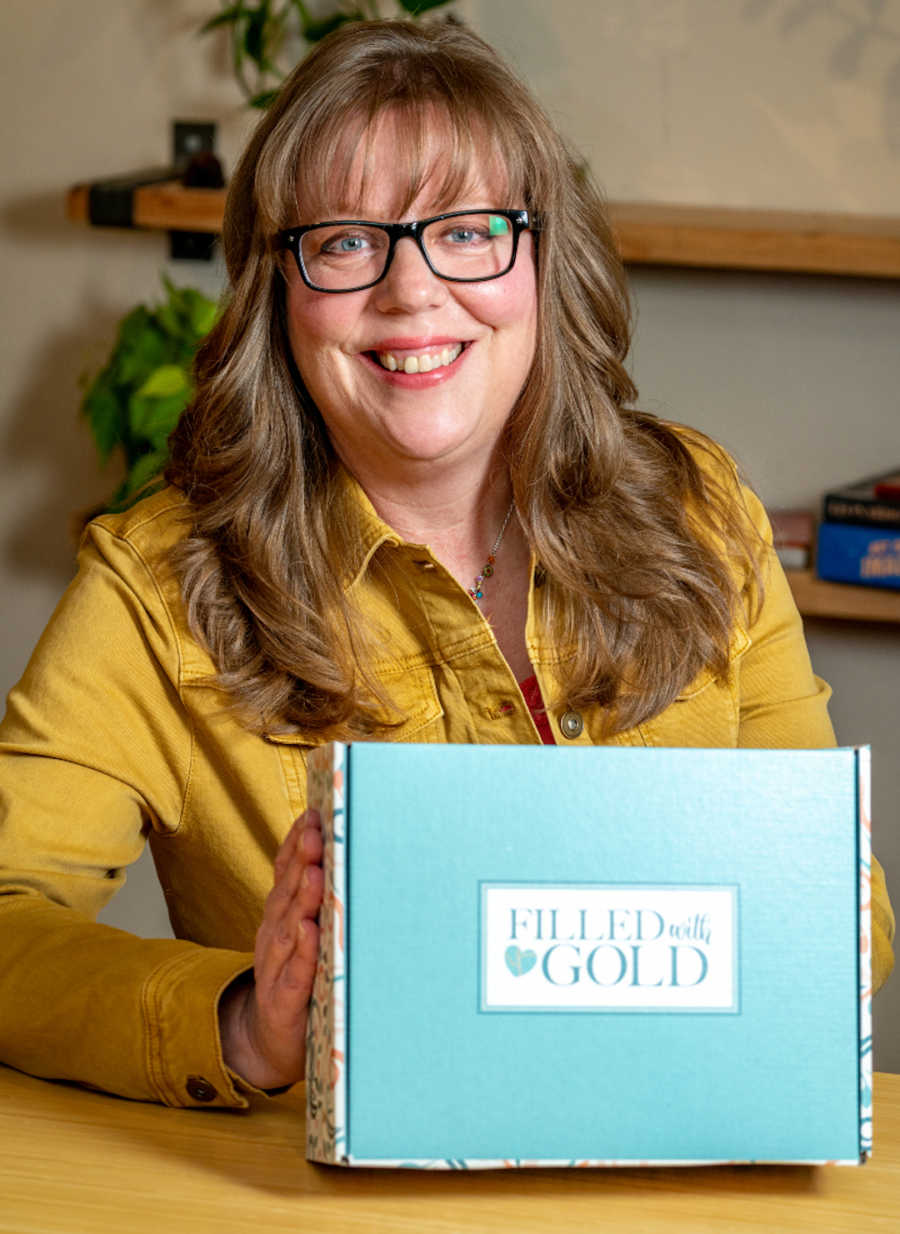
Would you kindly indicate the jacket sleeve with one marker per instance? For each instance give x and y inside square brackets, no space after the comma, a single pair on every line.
[783,704]
[95,751]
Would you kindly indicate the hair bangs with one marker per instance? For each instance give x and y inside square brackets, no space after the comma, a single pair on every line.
[439,157]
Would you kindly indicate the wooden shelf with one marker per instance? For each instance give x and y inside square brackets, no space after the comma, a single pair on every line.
[770,240]
[165,206]
[692,236]
[842,601]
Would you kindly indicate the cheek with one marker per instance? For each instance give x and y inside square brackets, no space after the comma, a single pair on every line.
[316,323]
[508,302]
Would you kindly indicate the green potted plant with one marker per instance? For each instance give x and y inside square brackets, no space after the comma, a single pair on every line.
[134,402]
[262,31]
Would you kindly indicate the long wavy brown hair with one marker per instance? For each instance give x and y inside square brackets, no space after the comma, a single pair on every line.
[639,544]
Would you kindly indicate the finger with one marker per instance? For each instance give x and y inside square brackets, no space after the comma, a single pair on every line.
[277,934]
[292,947]
[288,848]
[312,846]
[291,858]
[308,851]
[275,941]
[292,897]
[305,906]
[312,887]
[297,974]
[303,842]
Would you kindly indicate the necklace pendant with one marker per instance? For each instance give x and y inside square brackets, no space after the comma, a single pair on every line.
[487,570]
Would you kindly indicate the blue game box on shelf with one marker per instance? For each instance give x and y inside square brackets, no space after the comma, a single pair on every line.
[846,553]
[545,956]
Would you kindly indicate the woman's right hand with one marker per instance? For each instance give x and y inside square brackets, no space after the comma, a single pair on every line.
[262,1022]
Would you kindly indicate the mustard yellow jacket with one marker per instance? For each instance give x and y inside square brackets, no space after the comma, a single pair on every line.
[115,736]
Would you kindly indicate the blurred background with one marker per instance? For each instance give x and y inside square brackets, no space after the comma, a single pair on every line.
[787,104]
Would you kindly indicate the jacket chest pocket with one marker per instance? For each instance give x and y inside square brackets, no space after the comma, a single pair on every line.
[417,706]
[707,712]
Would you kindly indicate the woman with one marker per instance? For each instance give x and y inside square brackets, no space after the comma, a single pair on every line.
[408,502]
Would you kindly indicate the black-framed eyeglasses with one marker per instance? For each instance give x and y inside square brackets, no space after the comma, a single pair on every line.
[462,246]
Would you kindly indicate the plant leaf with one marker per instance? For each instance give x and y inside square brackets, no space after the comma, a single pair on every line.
[256,36]
[420,6]
[141,355]
[203,316]
[227,17]
[131,327]
[264,99]
[103,410]
[141,473]
[168,379]
[153,419]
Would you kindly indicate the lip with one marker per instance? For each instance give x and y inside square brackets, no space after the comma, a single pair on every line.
[421,343]
[416,381]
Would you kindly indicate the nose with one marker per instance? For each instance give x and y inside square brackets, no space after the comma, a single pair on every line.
[409,286]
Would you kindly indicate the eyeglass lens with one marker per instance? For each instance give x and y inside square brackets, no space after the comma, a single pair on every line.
[470,246]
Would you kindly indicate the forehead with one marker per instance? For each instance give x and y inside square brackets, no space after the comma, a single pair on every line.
[401,164]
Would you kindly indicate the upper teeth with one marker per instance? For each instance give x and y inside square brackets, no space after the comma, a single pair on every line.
[420,364]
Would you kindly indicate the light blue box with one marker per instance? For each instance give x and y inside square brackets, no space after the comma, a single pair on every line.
[553,956]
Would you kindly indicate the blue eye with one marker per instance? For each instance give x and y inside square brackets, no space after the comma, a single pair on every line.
[466,234]
[349,243]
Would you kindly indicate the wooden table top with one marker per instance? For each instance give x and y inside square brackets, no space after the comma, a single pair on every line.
[78,1162]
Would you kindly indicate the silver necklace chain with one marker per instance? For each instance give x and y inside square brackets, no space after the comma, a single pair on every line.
[487,569]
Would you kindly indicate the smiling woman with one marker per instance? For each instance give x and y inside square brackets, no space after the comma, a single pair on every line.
[411,501]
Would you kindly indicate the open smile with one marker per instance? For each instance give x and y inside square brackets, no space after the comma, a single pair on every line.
[418,362]
[416,358]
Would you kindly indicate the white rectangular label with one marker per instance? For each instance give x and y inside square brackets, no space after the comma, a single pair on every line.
[607,947]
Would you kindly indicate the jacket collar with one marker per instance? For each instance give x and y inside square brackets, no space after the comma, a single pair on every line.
[372,531]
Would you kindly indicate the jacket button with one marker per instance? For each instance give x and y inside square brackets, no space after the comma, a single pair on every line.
[199,1089]
[571,724]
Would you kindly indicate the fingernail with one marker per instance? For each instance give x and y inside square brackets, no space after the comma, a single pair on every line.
[304,878]
[303,930]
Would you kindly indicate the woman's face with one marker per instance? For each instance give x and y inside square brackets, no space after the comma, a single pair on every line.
[480,338]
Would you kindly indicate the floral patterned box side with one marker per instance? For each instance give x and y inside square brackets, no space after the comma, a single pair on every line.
[325,1044]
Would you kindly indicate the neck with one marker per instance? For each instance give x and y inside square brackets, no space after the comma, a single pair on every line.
[456,515]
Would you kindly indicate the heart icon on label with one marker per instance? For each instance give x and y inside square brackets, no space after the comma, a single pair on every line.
[520,962]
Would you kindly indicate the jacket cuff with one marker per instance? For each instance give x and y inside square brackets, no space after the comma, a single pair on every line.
[184,1061]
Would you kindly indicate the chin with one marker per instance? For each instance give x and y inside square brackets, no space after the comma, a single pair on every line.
[431,445]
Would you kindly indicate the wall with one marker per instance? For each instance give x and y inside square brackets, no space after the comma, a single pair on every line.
[766,102]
